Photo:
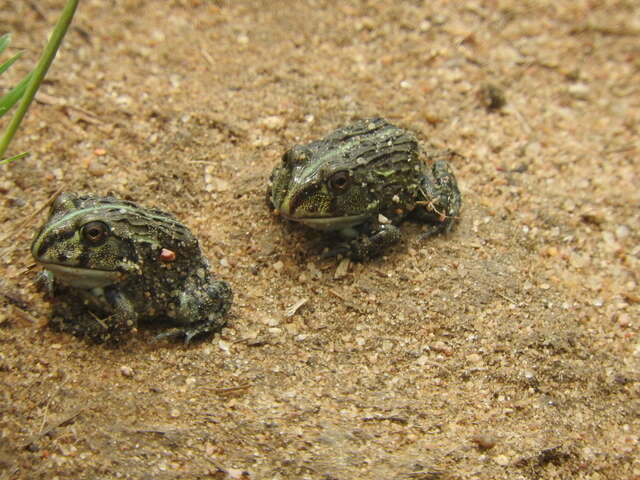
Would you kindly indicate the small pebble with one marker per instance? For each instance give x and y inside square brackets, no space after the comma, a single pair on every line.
[383,220]
[502,460]
[422,360]
[272,122]
[474,358]
[174,413]
[224,346]
[96,168]
[126,371]
[484,441]
[216,184]
[622,231]
[278,266]
[579,91]
[442,347]
[272,322]
[492,97]
[342,269]
[624,320]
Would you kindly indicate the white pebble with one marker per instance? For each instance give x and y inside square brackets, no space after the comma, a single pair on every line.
[579,91]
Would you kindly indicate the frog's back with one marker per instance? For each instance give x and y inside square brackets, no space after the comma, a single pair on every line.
[387,159]
[371,143]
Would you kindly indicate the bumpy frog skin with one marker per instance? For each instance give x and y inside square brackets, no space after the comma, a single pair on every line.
[361,181]
[110,263]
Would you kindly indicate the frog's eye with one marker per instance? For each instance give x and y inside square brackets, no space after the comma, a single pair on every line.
[95,233]
[339,181]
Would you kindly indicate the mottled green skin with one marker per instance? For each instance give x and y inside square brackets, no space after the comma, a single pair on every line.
[100,290]
[347,180]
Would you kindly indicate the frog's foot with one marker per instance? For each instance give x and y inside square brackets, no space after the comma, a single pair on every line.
[90,327]
[174,333]
[450,198]
[442,200]
[44,283]
[375,243]
[342,249]
[190,332]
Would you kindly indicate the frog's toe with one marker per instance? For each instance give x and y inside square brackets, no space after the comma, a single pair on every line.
[374,245]
[341,249]
[171,334]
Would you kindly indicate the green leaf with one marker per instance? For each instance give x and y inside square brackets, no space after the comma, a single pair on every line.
[5,40]
[5,66]
[15,157]
[40,70]
[10,98]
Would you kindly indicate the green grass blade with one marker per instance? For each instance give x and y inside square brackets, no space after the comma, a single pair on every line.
[10,98]
[15,157]
[5,40]
[5,66]
[39,72]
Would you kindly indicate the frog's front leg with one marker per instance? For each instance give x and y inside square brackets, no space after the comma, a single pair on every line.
[45,283]
[123,321]
[101,316]
[373,242]
[440,201]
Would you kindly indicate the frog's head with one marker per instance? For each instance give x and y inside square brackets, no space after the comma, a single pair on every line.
[321,188]
[85,242]
[346,178]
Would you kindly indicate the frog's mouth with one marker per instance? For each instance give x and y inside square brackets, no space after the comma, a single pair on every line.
[82,277]
[330,223]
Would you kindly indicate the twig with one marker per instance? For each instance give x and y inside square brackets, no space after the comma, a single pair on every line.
[505,297]
[390,418]
[623,149]
[425,474]
[160,429]
[348,303]
[65,420]
[224,390]
[30,218]
[292,309]
[82,113]
[206,56]
[333,292]
[24,315]
[605,30]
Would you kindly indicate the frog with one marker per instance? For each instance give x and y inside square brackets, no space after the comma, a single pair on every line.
[362,181]
[109,264]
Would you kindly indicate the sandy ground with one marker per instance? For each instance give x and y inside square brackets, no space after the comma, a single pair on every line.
[508,349]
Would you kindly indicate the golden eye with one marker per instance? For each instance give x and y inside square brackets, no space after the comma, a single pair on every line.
[95,233]
[339,181]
